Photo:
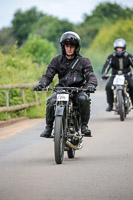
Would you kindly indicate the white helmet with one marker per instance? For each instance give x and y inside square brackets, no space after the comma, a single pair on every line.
[120,43]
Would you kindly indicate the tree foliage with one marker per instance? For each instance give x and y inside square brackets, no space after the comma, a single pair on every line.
[52,28]
[102,45]
[106,36]
[22,23]
[7,39]
[40,50]
[15,68]
[105,14]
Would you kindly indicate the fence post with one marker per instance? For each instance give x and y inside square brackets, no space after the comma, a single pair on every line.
[35,95]
[22,95]
[7,98]
[7,101]
[23,98]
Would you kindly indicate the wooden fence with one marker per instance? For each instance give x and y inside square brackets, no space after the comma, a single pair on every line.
[9,108]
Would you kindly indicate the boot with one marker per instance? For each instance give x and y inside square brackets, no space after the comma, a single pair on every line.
[109,108]
[47,131]
[85,130]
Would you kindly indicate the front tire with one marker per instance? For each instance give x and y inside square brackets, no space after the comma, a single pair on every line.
[121,106]
[59,140]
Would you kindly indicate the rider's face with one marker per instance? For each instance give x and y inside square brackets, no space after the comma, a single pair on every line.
[69,49]
[119,49]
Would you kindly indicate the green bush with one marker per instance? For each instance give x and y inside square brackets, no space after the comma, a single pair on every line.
[38,49]
[16,69]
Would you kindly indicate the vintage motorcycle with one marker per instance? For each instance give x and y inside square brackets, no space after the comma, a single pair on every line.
[122,102]
[67,135]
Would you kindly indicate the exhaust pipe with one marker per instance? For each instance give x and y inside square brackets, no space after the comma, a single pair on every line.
[76,147]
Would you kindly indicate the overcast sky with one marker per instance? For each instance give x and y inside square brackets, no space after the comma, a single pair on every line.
[73,10]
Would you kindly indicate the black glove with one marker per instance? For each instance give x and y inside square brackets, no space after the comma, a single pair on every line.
[104,76]
[130,73]
[39,87]
[90,87]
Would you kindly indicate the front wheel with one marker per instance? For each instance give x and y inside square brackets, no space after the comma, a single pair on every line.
[121,106]
[59,139]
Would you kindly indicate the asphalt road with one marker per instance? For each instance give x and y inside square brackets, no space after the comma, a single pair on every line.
[102,170]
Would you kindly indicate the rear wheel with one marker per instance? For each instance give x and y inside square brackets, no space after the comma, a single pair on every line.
[59,139]
[127,105]
[71,153]
[121,106]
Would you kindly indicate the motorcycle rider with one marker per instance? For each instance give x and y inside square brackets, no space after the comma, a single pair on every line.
[120,60]
[73,71]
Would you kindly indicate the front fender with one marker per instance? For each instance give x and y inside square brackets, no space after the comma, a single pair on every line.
[59,110]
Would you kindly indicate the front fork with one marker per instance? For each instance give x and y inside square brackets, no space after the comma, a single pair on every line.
[115,100]
[126,99]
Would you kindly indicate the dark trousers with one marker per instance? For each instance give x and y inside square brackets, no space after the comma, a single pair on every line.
[81,99]
[109,91]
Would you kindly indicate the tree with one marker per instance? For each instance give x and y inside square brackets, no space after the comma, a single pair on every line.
[7,39]
[52,28]
[102,45]
[121,29]
[22,23]
[105,14]
[38,49]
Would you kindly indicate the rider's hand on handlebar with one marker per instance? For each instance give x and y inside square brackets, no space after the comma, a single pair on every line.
[90,87]
[39,87]
[130,73]
[104,76]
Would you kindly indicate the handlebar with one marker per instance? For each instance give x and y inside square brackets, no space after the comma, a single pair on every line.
[119,73]
[68,89]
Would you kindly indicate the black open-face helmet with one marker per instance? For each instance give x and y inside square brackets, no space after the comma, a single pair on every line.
[120,43]
[71,38]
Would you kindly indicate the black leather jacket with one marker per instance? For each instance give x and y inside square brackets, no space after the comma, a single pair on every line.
[117,63]
[82,74]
